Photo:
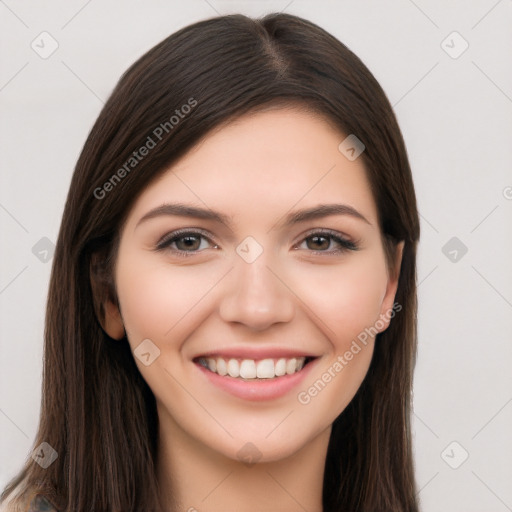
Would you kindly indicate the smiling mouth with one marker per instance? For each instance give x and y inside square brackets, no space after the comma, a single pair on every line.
[253,369]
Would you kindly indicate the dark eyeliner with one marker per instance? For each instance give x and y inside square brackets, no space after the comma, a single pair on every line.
[346,245]
[169,238]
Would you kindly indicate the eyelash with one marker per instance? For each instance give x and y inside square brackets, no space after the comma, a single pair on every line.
[167,240]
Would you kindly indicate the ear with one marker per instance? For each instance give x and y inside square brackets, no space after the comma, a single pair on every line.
[387,311]
[105,301]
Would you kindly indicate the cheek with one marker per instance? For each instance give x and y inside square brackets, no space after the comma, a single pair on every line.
[157,300]
[147,303]
[349,305]
[346,298]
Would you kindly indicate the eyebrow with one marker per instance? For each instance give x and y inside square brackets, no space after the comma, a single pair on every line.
[306,214]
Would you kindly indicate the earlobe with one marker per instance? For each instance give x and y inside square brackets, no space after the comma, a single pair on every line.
[387,309]
[113,323]
[105,304]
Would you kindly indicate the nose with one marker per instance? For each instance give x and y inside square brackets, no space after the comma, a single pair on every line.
[256,296]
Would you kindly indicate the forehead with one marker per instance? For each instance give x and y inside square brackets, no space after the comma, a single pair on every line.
[265,161]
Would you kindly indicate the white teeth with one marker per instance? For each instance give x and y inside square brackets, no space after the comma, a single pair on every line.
[280,368]
[233,368]
[291,366]
[222,367]
[250,369]
[265,369]
[212,364]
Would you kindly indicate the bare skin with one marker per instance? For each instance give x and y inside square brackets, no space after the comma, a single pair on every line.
[305,292]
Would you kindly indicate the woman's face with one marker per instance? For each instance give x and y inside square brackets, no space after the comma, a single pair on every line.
[228,261]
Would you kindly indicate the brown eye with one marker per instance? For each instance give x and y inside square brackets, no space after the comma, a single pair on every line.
[321,241]
[188,242]
[184,243]
[318,243]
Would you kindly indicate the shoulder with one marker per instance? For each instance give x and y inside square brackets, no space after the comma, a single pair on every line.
[40,504]
[35,502]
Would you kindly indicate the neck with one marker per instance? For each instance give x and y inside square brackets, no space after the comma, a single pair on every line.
[193,477]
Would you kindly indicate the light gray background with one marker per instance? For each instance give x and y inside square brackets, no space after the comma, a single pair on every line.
[456,117]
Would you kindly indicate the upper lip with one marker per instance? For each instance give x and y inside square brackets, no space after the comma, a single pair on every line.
[256,353]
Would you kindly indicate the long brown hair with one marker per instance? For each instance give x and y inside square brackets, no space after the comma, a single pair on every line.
[97,411]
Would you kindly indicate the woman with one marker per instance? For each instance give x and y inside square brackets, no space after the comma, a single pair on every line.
[231,320]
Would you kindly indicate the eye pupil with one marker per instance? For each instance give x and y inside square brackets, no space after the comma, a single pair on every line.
[189,241]
[315,240]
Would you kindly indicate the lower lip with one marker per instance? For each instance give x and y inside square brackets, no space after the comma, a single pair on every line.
[257,390]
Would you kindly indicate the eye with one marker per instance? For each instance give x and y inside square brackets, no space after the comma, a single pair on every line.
[185,242]
[321,241]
